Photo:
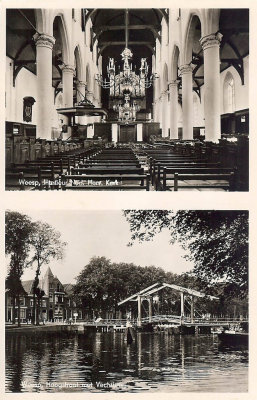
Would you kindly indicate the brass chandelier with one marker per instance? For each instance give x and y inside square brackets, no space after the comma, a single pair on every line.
[127,81]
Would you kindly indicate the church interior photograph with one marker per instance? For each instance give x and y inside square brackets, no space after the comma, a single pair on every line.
[127,99]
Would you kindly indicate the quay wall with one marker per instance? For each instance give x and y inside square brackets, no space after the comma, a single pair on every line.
[52,329]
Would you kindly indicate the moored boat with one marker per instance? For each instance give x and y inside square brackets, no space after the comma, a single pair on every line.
[233,337]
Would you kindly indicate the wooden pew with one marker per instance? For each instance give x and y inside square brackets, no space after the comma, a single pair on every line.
[44,170]
[155,164]
[226,180]
[105,182]
[14,181]
[103,170]
[41,177]
[157,169]
[109,162]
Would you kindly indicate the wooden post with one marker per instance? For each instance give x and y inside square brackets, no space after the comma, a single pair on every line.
[182,308]
[151,166]
[153,172]
[175,182]
[52,170]
[164,187]
[21,177]
[150,309]
[192,308]
[39,178]
[158,180]
[232,182]
[142,180]
[147,182]
[139,316]
[63,182]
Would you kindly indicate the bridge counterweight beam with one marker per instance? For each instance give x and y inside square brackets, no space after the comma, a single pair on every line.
[182,305]
[192,308]
[139,307]
[150,309]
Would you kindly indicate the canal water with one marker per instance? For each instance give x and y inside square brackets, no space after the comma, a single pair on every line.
[104,362]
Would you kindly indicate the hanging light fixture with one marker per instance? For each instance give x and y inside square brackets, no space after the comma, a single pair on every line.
[127,81]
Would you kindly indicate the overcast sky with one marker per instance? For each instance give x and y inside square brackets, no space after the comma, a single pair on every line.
[104,233]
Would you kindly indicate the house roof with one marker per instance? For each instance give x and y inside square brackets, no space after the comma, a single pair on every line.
[49,272]
[27,285]
[68,288]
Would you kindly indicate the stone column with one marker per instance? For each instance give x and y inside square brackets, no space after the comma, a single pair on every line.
[115,133]
[154,112]
[81,90]
[45,95]
[159,109]
[156,117]
[67,81]
[90,131]
[187,101]
[165,114]
[139,132]
[90,96]
[211,45]
[173,109]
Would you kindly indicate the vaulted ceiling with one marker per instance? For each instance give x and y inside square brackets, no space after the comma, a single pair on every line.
[234,26]
[109,28]
[144,27]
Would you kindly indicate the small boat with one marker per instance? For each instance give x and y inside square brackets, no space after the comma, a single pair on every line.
[233,337]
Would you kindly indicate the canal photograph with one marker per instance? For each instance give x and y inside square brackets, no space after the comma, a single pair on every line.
[126,301]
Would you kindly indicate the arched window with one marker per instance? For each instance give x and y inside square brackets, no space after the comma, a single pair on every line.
[229,93]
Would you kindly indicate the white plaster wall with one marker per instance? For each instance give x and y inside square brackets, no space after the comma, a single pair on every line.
[180,116]
[25,85]
[9,91]
[199,108]
[241,91]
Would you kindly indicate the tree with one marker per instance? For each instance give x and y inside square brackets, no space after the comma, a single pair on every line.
[18,233]
[216,241]
[45,245]
[102,284]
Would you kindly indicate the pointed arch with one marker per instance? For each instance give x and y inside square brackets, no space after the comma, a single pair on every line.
[88,78]
[78,63]
[194,19]
[165,78]
[62,28]
[40,23]
[175,62]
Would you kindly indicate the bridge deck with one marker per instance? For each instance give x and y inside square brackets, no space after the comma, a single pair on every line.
[166,320]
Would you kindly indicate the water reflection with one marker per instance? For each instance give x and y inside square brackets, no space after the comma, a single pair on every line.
[105,362]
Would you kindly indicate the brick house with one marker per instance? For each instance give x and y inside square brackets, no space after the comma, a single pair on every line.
[56,305]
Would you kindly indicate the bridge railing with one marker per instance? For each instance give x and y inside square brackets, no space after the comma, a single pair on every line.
[158,318]
[187,319]
[165,319]
[101,321]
